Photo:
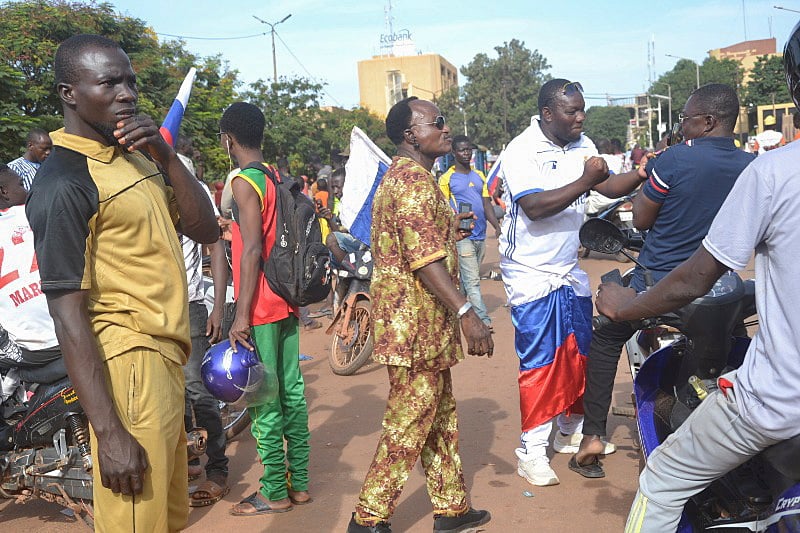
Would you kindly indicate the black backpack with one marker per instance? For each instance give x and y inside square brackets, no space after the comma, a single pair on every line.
[298,268]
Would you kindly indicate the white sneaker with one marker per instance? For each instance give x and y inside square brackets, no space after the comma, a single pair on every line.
[537,472]
[571,443]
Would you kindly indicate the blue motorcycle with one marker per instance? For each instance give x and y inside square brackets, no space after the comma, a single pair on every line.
[763,494]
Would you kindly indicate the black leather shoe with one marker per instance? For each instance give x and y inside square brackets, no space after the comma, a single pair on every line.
[355,527]
[466,523]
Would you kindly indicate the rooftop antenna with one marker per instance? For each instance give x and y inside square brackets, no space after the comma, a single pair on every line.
[388,17]
[744,19]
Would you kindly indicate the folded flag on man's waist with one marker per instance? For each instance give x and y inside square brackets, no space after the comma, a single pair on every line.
[552,341]
[172,123]
[364,171]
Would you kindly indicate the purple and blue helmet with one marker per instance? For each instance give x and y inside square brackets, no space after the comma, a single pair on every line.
[236,377]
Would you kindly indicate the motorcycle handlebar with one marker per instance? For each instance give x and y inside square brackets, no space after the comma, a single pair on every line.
[600,321]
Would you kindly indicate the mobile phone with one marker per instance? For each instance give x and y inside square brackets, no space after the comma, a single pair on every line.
[465,224]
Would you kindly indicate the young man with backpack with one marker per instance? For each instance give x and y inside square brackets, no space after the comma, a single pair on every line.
[264,320]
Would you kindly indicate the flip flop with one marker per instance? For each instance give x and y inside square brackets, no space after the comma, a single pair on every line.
[592,470]
[215,492]
[260,506]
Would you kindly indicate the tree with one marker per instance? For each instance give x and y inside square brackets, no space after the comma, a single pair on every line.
[500,93]
[767,83]
[682,79]
[32,32]
[607,123]
[33,29]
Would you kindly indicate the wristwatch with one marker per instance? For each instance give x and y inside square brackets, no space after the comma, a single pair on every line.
[463,310]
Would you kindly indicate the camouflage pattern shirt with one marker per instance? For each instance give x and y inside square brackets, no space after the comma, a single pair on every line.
[412,227]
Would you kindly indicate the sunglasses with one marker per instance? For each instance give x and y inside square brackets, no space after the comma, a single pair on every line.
[438,122]
[571,87]
[683,117]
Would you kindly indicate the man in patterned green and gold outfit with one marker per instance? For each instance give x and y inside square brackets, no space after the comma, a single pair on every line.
[417,310]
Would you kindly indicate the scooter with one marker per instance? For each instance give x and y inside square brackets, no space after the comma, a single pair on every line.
[763,494]
[44,445]
[351,346]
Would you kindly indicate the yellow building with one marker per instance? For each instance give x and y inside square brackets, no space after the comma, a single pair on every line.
[385,80]
[746,53]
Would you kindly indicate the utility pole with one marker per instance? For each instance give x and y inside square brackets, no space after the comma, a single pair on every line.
[272,31]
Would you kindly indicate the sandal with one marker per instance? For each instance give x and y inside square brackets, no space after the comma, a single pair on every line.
[592,470]
[260,506]
[195,471]
[208,493]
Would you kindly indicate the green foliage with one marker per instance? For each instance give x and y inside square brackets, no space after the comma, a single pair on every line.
[32,29]
[500,93]
[682,80]
[767,81]
[607,123]
[297,127]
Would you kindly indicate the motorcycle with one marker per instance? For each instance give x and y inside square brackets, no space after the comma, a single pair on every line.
[763,494]
[44,443]
[351,328]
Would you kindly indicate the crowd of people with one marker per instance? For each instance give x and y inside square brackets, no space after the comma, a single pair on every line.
[116,221]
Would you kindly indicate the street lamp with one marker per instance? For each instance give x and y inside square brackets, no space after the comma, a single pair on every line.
[696,65]
[272,31]
[668,98]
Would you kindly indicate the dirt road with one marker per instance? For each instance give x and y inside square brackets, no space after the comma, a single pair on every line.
[345,415]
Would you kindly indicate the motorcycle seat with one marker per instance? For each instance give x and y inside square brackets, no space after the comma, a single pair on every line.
[49,373]
[785,457]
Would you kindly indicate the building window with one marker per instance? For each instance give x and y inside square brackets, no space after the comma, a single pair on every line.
[394,87]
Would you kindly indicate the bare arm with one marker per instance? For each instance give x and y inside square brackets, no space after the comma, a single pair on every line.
[197,215]
[249,265]
[620,184]
[548,203]
[691,279]
[219,275]
[436,279]
[488,209]
[121,459]
[645,212]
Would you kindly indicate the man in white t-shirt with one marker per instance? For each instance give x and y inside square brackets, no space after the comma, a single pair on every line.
[204,329]
[23,306]
[759,404]
[548,170]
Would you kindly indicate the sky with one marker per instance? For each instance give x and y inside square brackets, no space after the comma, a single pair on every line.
[602,44]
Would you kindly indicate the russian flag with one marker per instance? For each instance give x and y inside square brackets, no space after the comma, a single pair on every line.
[552,337]
[363,173]
[172,123]
[491,178]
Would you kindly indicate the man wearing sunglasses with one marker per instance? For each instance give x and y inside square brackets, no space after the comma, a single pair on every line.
[548,170]
[685,187]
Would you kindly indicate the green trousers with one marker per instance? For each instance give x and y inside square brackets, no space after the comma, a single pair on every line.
[285,418]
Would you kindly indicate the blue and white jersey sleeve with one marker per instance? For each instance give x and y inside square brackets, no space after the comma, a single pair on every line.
[660,175]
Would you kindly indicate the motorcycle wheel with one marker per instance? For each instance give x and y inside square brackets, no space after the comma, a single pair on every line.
[345,359]
[234,420]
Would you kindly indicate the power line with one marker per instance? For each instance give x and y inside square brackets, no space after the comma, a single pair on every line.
[211,38]
[305,69]
[250,37]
